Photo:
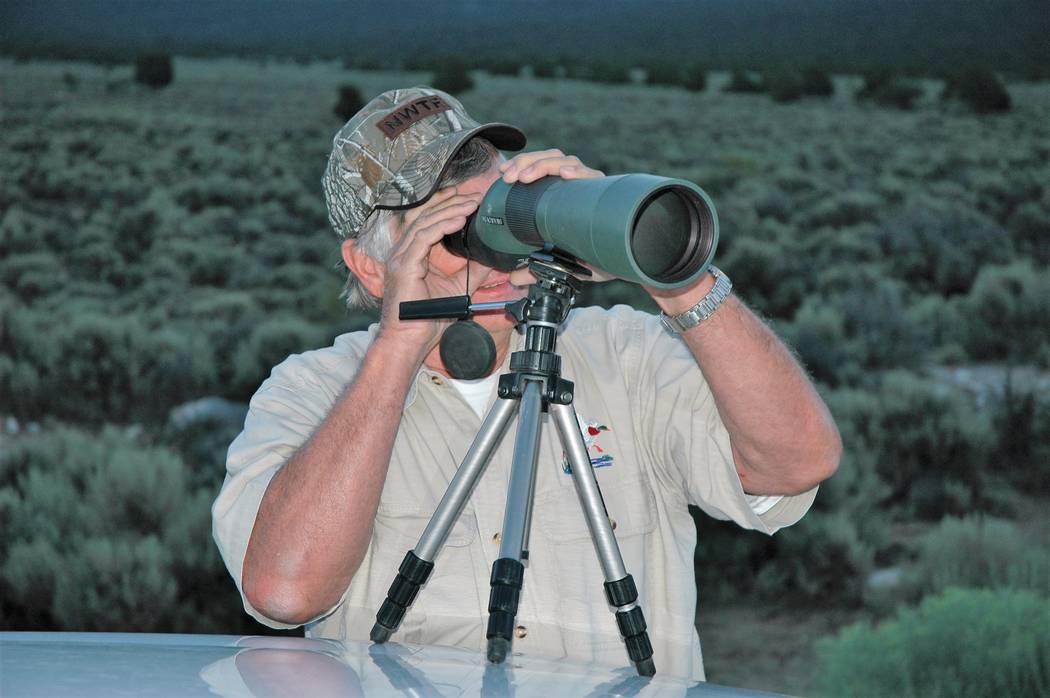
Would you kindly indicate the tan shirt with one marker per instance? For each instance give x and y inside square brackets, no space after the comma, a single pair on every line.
[656,442]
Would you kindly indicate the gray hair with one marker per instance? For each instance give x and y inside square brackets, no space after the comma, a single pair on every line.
[376,236]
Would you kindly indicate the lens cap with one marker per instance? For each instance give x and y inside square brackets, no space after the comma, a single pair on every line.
[467,350]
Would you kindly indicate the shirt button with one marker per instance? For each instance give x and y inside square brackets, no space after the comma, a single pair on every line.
[521,631]
[436,380]
[495,538]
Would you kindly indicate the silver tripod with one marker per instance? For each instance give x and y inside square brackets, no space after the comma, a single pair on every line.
[532,386]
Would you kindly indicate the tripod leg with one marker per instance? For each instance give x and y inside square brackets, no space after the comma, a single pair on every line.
[419,562]
[508,572]
[619,586]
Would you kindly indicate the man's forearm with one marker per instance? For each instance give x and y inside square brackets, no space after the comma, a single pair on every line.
[315,520]
[783,438]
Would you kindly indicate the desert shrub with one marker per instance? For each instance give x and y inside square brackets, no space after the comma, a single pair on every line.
[349,103]
[846,209]
[742,82]
[783,86]
[34,275]
[817,333]
[119,368]
[962,642]
[695,78]
[1029,227]
[609,73]
[941,248]
[727,563]
[102,532]
[154,70]
[880,332]
[271,342]
[1022,426]
[888,90]
[932,445]
[816,83]
[503,66]
[451,75]
[666,73]
[544,68]
[979,89]
[820,559]
[978,552]
[1008,313]
[771,273]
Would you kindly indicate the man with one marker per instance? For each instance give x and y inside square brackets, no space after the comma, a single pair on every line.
[347,450]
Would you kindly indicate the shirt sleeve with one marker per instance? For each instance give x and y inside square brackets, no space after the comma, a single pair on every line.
[676,413]
[281,417]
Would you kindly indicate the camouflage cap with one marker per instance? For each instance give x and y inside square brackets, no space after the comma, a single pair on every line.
[393,152]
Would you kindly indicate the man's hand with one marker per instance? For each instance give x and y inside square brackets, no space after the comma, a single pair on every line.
[529,167]
[409,275]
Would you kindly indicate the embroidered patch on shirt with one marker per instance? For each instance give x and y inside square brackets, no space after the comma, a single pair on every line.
[599,458]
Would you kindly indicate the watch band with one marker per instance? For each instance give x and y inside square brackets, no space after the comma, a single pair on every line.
[678,324]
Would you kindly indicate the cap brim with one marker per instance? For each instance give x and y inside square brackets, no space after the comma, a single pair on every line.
[502,136]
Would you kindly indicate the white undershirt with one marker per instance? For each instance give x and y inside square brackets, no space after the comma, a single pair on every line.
[477,394]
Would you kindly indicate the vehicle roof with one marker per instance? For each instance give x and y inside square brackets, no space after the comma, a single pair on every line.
[132,664]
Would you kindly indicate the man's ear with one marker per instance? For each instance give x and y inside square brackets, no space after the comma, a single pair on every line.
[369,271]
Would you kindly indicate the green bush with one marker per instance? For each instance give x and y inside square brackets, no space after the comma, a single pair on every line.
[451,75]
[102,532]
[349,103]
[961,643]
[816,83]
[505,66]
[784,86]
[817,333]
[931,444]
[879,331]
[270,343]
[941,248]
[154,70]
[609,73]
[1022,425]
[664,74]
[978,552]
[887,90]
[1008,313]
[118,368]
[821,559]
[979,89]
[695,78]
[742,82]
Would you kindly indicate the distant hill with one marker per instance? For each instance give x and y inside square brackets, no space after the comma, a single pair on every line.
[837,34]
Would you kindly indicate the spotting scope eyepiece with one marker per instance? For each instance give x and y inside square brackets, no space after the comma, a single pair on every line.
[651,230]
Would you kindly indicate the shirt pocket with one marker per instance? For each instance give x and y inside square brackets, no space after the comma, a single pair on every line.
[399,528]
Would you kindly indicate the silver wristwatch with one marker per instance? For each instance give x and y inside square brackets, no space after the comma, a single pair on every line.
[702,310]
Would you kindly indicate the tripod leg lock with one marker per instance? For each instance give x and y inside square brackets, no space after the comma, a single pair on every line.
[412,574]
[507,578]
[631,623]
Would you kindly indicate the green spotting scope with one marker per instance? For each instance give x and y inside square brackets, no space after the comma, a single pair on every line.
[651,230]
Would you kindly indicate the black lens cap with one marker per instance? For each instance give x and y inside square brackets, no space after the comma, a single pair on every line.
[467,350]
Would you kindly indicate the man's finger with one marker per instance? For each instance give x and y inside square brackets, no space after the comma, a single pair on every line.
[513,167]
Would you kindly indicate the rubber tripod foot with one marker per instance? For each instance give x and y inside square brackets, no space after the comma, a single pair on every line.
[379,634]
[498,648]
[646,667]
